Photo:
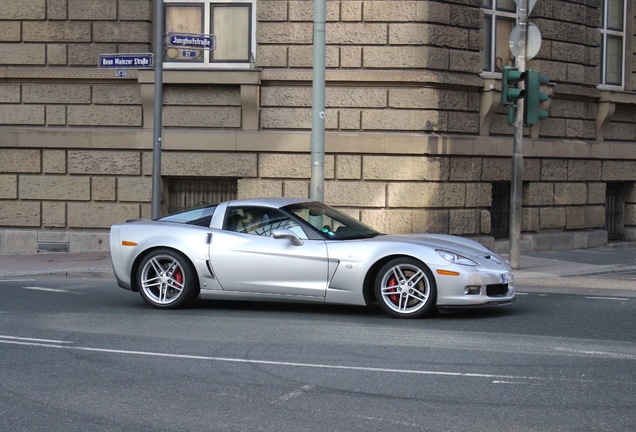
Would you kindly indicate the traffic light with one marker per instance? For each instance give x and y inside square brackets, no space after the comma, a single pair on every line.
[510,78]
[533,98]
[510,93]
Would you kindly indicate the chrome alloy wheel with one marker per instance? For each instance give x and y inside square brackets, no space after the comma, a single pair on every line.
[162,279]
[405,289]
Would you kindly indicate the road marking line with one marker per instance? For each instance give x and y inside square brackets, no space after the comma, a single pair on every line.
[604,354]
[274,363]
[607,298]
[393,422]
[33,340]
[509,379]
[46,289]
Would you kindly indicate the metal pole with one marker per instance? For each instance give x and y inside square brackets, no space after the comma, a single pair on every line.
[317,190]
[158,110]
[517,156]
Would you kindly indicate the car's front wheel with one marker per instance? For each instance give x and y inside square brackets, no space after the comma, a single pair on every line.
[167,280]
[405,288]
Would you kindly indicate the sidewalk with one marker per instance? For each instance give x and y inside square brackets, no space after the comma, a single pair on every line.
[580,262]
[534,265]
[58,264]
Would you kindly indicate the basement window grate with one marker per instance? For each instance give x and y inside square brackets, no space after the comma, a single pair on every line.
[185,193]
[614,210]
[500,210]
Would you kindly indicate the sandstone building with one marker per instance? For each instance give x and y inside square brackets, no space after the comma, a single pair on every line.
[416,140]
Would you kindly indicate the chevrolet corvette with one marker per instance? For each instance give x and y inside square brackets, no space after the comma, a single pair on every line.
[299,250]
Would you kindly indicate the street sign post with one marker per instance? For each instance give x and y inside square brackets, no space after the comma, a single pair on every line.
[525,43]
[517,151]
[317,181]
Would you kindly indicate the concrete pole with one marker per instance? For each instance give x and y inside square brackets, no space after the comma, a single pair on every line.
[317,185]
[158,110]
[517,156]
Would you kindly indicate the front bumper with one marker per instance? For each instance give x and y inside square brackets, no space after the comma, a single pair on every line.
[474,288]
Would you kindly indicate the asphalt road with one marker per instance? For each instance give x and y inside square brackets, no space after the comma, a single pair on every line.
[85,355]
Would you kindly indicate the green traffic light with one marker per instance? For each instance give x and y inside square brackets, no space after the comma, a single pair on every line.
[510,78]
[534,97]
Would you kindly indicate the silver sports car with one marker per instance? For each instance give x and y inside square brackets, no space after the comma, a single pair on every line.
[294,249]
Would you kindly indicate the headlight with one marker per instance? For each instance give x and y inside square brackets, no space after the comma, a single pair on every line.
[455,258]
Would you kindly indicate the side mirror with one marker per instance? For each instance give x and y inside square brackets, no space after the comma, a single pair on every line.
[289,235]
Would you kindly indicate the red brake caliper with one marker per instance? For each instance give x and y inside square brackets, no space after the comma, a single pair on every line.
[178,276]
[395,298]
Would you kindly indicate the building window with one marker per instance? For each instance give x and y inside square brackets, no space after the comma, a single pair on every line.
[500,210]
[499,19]
[613,42]
[230,21]
[186,193]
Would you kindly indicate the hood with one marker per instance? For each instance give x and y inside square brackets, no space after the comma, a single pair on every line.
[466,247]
[460,245]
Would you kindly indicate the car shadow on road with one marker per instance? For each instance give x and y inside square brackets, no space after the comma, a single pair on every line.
[480,313]
[283,307]
[373,310]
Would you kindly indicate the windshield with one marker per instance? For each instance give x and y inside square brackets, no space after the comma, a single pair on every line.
[331,223]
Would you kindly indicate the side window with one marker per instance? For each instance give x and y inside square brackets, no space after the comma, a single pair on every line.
[260,221]
[233,221]
[278,220]
[255,221]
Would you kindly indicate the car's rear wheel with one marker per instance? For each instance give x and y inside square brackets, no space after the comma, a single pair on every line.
[405,288]
[167,280]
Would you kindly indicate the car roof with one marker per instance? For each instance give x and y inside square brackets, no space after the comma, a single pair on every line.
[273,202]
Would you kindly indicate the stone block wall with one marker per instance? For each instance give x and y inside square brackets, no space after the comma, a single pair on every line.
[71,188]
[368,36]
[70,193]
[68,197]
[68,35]
[570,41]
[373,36]
[67,189]
[104,104]
[202,106]
[367,107]
[71,32]
[622,126]
[80,105]
[399,66]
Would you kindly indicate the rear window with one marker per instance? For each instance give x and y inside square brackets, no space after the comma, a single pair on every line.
[201,216]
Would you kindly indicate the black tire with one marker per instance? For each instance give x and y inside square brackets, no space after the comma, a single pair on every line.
[167,280]
[405,288]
